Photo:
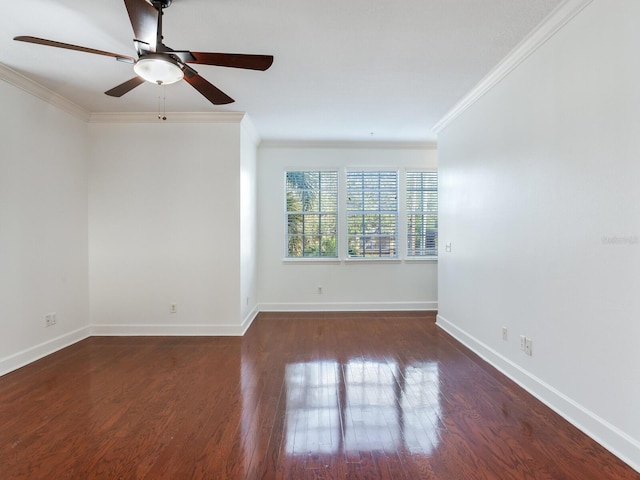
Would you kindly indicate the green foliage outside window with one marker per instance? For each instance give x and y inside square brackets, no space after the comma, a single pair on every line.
[312,213]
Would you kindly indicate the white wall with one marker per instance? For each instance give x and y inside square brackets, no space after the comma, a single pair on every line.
[347,285]
[536,178]
[248,223]
[164,227]
[43,228]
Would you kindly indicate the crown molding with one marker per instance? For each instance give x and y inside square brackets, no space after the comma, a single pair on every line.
[348,144]
[551,25]
[43,93]
[172,117]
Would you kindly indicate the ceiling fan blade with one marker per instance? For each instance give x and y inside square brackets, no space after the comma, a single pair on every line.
[236,60]
[68,46]
[144,20]
[125,87]
[212,93]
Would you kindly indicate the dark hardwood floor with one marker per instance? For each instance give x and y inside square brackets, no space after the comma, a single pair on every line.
[301,396]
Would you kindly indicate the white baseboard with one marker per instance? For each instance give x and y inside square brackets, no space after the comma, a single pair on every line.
[29,355]
[612,438]
[349,307]
[246,323]
[174,330]
[161,330]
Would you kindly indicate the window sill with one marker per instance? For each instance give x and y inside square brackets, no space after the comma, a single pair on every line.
[331,261]
[421,259]
[353,261]
[372,260]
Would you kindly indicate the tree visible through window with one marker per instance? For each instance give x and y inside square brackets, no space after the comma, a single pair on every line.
[312,213]
[372,214]
[422,214]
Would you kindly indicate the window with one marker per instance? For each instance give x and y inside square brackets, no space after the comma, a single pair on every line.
[422,214]
[312,214]
[361,214]
[372,214]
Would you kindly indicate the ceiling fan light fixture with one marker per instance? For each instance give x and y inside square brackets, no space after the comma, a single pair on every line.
[160,69]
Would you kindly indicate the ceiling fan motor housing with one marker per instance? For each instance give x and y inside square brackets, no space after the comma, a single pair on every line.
[160,69]
[160,3]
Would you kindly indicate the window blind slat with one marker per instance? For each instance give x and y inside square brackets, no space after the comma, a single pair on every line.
[372,214]
[422,214]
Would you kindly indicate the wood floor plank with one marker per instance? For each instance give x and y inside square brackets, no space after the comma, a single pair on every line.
[327,395]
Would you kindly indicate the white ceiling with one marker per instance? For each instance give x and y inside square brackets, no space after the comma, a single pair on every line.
[343,69]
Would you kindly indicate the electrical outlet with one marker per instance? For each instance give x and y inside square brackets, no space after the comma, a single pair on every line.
[49,319]
[319,290]
[523,341]
[528,346]
[505,334]
[173,308]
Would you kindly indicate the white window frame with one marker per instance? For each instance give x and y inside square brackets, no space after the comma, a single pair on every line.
[303,257]
[342,232]
[396,212]
[407,213]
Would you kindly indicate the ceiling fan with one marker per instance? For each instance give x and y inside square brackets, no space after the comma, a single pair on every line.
[160,64]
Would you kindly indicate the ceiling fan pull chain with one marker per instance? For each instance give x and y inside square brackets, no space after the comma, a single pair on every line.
[164,104]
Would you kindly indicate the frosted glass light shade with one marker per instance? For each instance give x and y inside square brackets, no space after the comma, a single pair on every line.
[160,69]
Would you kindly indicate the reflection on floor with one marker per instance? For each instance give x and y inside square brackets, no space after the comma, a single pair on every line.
[385,408]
